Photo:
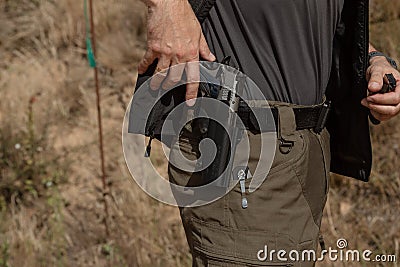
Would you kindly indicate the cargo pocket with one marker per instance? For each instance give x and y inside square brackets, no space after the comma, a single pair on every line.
[225,246]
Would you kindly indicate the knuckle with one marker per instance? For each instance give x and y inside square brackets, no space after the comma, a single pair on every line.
[376,69]
[157,49]
[175,79]
[192,51]
[170,81]
[167,52]
[180,54]
[167,85]
[191,91]
[191,95]
[193,79]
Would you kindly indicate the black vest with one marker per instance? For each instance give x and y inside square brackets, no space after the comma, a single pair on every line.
[348,121]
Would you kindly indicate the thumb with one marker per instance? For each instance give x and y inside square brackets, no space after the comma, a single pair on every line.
[204,51]
[375,83]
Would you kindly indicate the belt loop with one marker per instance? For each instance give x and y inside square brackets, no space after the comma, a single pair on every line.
[286,128]
[287,123]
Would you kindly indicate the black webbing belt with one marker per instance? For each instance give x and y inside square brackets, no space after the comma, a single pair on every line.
[306,118]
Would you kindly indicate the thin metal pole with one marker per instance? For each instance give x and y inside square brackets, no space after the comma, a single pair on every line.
[100,126]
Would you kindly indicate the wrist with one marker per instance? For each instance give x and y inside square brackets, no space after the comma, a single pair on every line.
[376,56]
[376,59]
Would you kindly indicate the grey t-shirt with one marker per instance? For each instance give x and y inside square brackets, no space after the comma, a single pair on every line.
[284,46]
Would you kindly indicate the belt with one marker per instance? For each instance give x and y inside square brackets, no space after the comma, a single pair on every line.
[313,117]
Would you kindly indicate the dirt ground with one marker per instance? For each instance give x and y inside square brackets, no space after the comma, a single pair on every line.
[52,202]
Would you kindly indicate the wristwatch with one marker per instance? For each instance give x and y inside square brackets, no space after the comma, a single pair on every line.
[379,54]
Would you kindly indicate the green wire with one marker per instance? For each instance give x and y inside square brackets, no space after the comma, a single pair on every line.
[90,54]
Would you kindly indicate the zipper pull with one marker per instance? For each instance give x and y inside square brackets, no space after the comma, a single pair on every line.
[148,148]
[243,190]
[242,175]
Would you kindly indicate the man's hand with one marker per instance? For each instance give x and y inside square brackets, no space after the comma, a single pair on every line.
[174,36]
[382,106]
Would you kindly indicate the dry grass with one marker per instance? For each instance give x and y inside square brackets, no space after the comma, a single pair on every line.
[42,51]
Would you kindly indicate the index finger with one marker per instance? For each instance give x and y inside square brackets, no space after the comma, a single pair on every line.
[391,98]
[193,77]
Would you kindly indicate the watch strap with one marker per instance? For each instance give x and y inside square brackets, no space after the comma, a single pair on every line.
[380,54]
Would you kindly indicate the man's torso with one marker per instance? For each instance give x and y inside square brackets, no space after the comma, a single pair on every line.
[285,46]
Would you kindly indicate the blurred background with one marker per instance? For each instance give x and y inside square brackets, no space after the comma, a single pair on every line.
[51,197]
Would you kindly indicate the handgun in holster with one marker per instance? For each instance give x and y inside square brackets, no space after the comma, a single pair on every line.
[225,137]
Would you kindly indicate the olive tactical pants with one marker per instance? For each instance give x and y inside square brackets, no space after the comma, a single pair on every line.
[284,213]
